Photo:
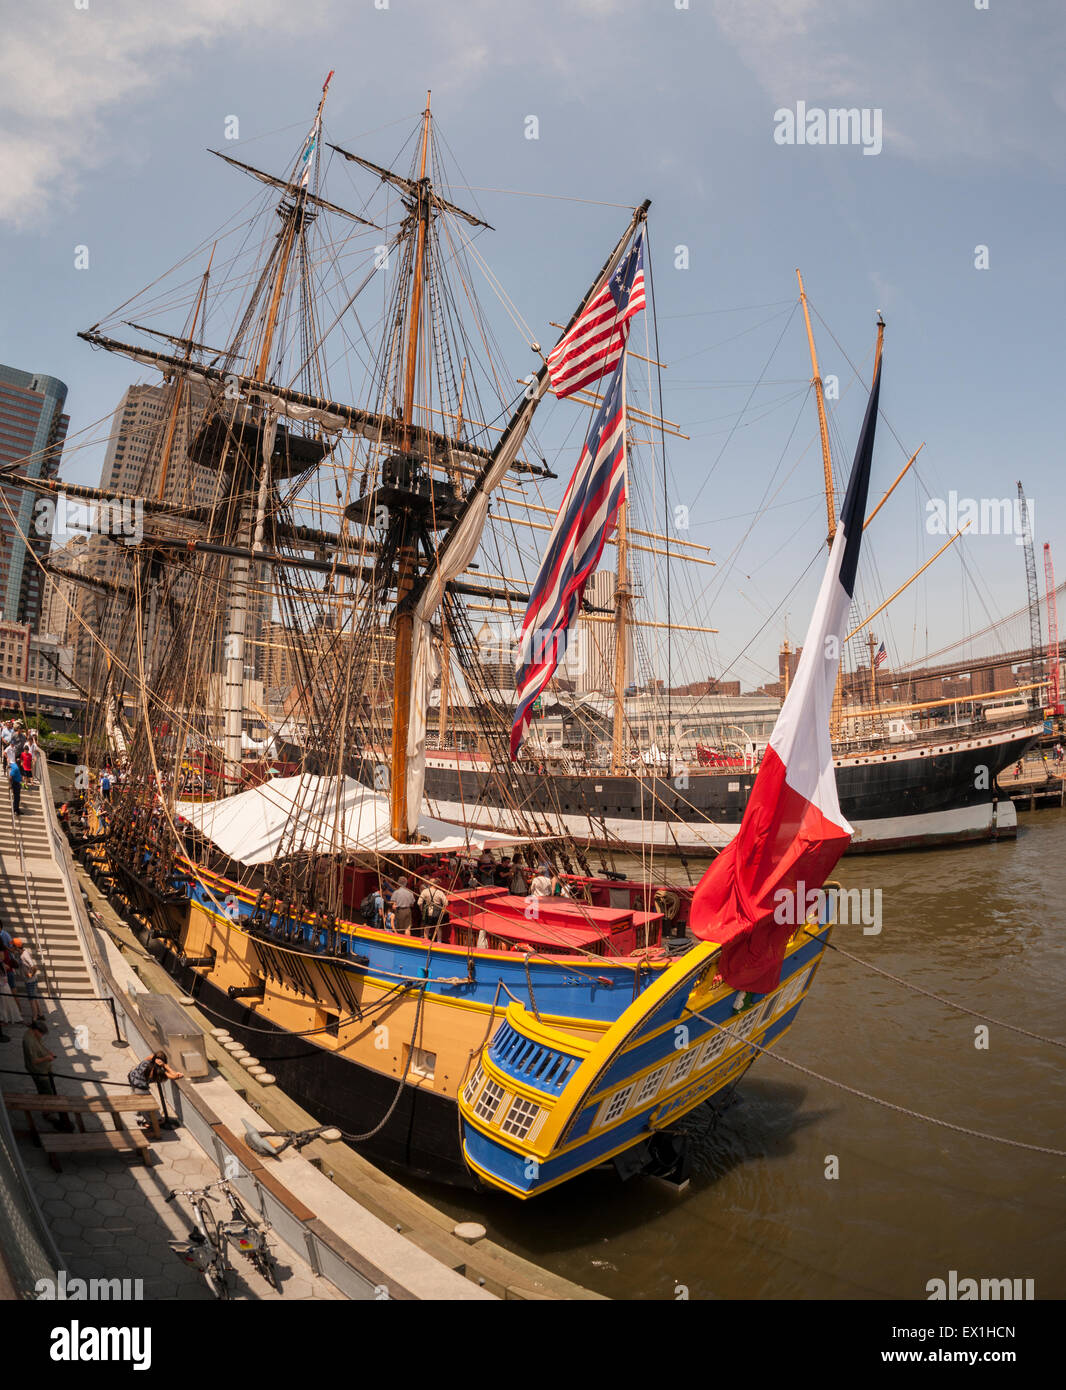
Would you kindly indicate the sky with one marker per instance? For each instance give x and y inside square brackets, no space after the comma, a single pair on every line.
[950,226]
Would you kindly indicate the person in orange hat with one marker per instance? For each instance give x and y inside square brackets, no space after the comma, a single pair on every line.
[29,973]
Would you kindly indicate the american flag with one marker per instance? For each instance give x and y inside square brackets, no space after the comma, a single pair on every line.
[585,518]
[592,348]
[881,657]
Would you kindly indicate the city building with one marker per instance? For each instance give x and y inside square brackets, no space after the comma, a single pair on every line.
[32,430]
[14,652]
[594,653]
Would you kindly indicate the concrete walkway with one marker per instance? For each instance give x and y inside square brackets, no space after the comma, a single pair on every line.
[109,1213]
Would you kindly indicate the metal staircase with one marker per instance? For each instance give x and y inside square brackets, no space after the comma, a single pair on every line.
[33,897]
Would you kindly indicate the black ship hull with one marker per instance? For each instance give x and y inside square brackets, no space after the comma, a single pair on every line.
[905,797]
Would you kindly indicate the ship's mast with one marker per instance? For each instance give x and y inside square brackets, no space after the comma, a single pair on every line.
[836,713]
[406,571]
[823,424]
[251,526]
[622,600]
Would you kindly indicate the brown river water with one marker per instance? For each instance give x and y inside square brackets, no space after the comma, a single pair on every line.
[982,925]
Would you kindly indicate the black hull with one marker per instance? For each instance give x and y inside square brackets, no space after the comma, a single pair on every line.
[892,787]
[421,1136]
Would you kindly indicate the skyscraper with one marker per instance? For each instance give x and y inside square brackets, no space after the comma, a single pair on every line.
[133,468]
[32,430]
[596,672]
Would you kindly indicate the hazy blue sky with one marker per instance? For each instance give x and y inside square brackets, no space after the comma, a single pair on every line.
[105,113]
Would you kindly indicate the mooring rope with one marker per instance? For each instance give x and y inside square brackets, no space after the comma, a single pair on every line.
[888,1104]
[985,1018]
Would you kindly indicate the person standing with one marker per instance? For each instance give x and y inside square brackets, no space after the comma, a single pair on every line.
[14,777]
[433,905]
[29,973]
[486,868]
[401,902]
[377,908]
[541,887]
[38,1059]
[9,1009]
[518,885]
[105,783]
[26,759]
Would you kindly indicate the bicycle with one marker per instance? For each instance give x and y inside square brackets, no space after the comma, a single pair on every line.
[205,1247]
[249,1234]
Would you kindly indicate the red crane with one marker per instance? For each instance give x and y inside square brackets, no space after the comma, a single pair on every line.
[1052,631]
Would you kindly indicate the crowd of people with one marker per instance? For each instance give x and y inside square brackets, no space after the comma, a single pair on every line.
[20,752]
[395,906]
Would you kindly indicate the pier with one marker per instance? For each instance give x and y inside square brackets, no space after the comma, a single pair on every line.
[93,1204]
[1040,786]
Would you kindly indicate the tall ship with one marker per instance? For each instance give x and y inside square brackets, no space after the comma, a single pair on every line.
[629,770]
[494,1031]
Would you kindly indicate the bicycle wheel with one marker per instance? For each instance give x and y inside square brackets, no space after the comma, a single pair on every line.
[267,1266]
[217,1280]
[209,1223]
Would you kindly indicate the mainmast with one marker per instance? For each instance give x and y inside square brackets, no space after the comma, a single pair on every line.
[823,424]
[622,600]
[836,713]
[407,557]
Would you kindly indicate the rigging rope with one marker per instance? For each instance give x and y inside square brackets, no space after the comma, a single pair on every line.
[888,1104]
[917,989]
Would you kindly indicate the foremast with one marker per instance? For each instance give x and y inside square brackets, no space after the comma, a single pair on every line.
[252,524]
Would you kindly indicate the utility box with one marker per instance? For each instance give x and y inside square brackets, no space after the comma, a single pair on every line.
[177,1034]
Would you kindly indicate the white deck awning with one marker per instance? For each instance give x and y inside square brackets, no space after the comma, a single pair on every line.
[322,815]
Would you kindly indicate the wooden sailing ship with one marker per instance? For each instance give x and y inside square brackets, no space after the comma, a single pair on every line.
[360,526]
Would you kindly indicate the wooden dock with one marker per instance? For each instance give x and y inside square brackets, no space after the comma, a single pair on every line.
[1040,786]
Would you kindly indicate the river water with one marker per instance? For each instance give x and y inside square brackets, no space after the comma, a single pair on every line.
[982,925]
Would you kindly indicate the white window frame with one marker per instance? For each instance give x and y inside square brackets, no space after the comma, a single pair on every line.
[651,1085]
[713,1048]
[487,1100]
[614,1107]
[472,1087]
[683,1066]
[527,1110]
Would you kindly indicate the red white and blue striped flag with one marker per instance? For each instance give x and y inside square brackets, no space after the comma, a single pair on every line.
[591,350]
[882,655]
[793,830]
[585,519]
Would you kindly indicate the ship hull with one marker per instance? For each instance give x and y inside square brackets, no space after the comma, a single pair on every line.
[898,798]
[420,1137]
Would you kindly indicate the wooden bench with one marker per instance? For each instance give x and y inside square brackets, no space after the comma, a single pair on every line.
[125,1141]
[32,1104]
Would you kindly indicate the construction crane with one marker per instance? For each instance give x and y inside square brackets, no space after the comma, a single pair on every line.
[1036,643]
[1052,631]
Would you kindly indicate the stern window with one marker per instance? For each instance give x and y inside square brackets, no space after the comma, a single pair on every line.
[520,1118]
[489,1101]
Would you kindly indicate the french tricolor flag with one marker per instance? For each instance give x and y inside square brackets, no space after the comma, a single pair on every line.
[793,831]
